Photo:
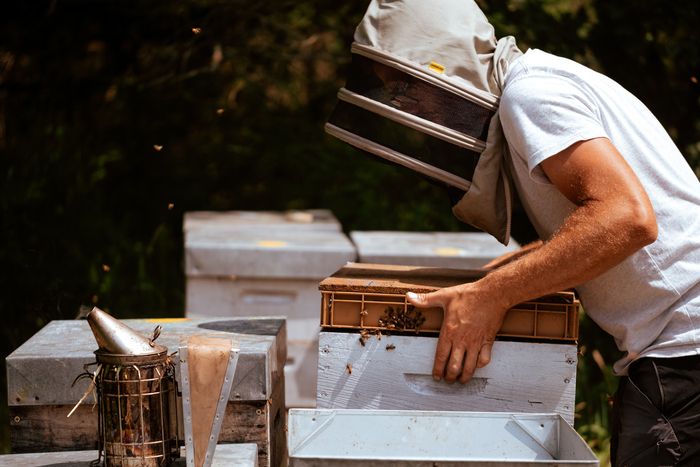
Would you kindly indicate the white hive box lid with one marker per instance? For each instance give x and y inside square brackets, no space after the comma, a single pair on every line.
[462,250]
[319,437]
[42,370]
[266,252]
[310,219]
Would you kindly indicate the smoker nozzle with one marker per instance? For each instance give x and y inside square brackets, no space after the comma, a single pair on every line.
[114,337]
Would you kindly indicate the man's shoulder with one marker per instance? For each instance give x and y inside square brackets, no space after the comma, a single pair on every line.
[539,78]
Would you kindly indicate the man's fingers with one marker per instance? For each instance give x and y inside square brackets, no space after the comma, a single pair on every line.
[472,361]
[469,366]
[454,365]
[441,355]
[425,300]
[484,355]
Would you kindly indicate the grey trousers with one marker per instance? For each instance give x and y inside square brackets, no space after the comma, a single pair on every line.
[656,414]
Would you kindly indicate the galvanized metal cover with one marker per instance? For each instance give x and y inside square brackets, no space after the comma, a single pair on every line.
[266,252]
[401,438]
[41,371]
[467,250]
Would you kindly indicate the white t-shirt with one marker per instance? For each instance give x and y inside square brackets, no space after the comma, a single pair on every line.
[650,303]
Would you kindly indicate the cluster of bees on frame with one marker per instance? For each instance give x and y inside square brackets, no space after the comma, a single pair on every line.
[394,318]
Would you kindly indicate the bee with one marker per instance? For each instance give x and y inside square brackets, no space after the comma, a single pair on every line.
[390,347]
[364,335]
[348,368]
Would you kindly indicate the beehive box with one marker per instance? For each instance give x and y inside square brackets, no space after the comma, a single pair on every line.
[377,352]
[264,264]
[395,372]
[463,250]
[373,297]
[326,438]
[41,372]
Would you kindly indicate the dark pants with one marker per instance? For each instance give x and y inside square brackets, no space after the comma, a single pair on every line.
[656,414]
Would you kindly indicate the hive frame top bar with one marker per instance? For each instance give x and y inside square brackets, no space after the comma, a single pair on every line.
[389,278]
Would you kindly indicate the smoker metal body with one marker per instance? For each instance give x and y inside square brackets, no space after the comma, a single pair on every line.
[137,399]
[393,438]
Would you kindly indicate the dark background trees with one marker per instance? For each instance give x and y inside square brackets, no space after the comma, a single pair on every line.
[118,117]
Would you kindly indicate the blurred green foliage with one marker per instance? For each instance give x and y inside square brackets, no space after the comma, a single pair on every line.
[118,117]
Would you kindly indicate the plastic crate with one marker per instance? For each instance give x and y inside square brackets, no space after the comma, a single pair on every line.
[374,299]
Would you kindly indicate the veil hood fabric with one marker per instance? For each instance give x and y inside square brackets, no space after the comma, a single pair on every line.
[457,35]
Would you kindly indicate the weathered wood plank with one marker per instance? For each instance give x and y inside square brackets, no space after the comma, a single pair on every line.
[46,428]
[396,373]
[385,278]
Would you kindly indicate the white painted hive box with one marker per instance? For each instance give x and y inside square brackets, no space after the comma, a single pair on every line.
[466,250]
[395,372]
[259,265]
[246,263]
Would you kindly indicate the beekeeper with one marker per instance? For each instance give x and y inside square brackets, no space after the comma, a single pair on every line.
[613,200]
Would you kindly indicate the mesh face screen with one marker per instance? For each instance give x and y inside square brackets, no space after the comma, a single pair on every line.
[417,97]
[409,142]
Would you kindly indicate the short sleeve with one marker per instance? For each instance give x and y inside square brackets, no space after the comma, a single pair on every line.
[543,115]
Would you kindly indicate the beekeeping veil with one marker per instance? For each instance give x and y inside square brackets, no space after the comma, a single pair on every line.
[423,91]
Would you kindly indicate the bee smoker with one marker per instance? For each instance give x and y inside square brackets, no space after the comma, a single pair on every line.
[136,396]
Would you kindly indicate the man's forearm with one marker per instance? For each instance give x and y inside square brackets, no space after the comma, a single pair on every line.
[594,238]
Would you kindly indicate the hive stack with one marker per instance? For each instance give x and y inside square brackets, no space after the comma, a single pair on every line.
[245,263]
[376,351]
[41,373]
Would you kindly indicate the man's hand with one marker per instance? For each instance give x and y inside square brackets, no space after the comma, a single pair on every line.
[471,320]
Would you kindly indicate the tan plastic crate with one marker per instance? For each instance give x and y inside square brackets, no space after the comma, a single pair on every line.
[373,297]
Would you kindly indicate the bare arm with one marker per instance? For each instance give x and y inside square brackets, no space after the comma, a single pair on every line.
[513,255]
[613,219]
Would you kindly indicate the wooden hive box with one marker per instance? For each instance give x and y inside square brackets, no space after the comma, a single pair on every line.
[361,367]
[41,372]
[246,263]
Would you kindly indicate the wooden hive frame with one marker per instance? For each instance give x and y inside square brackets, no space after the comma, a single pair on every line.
[373,297]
